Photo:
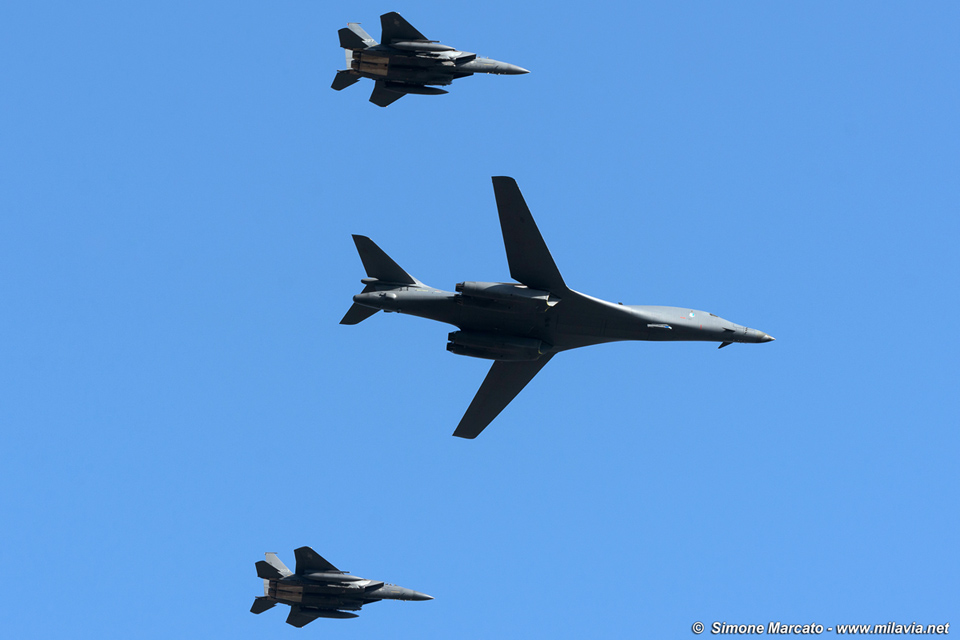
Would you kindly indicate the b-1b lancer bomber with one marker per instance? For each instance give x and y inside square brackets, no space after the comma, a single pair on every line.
[317,589]
[522,325]
[406,62]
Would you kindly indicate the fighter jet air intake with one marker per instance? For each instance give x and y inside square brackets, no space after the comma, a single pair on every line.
[317,589]
[522,325]
[406,62]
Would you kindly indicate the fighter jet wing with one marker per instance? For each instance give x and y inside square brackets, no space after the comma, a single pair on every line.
[309,560]
[300,617]
[396,29]
[527,254]
[382,96]
[502,384]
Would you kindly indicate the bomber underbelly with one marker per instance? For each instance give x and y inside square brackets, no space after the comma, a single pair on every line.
[469,319]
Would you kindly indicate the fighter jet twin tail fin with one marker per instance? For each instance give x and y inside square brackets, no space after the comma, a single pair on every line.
[272,568]
[395,29]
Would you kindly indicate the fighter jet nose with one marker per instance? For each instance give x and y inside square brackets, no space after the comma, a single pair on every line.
[513,70]
[416,595]
[767,338]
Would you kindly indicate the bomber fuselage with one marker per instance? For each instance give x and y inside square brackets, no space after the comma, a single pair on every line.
[575,320]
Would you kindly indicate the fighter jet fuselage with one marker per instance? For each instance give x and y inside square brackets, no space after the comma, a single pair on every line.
[391,64]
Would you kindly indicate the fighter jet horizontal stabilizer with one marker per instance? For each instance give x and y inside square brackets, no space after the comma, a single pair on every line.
[261,604]
[344,79]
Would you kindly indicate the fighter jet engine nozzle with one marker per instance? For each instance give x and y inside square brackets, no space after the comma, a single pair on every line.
[506,296]
[492,346]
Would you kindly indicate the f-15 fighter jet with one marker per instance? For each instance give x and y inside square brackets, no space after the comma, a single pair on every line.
[406,62]
[522,326]
[317,589]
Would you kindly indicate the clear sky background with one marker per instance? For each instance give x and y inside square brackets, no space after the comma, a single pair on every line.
[178,186]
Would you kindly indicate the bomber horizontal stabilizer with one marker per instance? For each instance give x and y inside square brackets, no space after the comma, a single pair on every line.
[357,313]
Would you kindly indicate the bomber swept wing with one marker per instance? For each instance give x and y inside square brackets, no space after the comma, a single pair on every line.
[527,254]
[502,384]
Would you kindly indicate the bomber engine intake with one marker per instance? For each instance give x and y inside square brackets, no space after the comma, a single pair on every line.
[493,346]
[504,296]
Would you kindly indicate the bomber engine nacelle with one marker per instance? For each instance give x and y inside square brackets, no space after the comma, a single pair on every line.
[504,296]
[493,346]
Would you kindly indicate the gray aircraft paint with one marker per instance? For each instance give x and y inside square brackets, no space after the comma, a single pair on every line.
[522,326]
[317,589]
[406,61]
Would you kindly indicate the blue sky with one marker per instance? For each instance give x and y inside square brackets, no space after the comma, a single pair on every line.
[178,186]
